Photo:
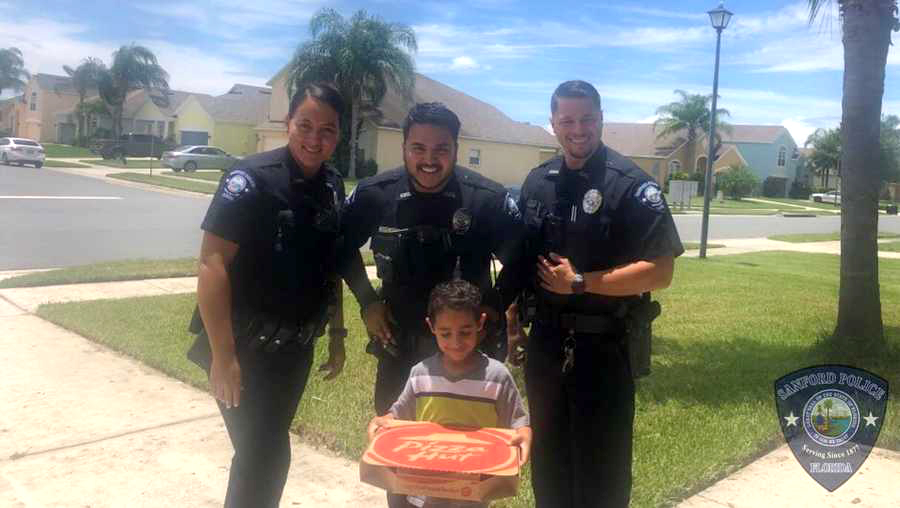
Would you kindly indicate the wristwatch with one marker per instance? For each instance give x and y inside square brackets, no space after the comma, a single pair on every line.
[578,284]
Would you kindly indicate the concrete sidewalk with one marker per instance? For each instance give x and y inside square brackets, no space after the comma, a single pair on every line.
[85,426]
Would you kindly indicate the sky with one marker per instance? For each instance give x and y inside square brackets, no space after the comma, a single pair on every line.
[776,68]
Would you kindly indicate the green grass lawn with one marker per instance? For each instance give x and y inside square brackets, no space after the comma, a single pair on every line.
[820,237]
[730,327]
[162,181]
[889,246]
[211,176]
[806,202]
[696,245]
[56,150]
[132,164]
[106,272]
[50,163]
[743,204]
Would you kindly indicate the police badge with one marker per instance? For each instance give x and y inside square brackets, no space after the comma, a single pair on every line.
[462,220]
[592,201]
[831,416]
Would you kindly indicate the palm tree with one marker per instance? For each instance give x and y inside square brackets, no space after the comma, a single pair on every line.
[826,152]
[866,26]
[690,115]
[91,109]
[84,78]
[828,405]
[12,70]
[133,67]
[362,56]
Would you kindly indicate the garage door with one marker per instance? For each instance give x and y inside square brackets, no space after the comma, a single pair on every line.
[194,137]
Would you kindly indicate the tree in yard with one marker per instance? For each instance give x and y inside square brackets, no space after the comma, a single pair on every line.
[133,67]
[362,56]
[13,75]
[737,181]
[866,26]
[89,110]
[826,152]
[690,116]
[84,78]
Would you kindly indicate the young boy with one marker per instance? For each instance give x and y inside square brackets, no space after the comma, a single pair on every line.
[459,386]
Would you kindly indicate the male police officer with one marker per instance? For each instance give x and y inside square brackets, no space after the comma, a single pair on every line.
[428,222]
[604,237]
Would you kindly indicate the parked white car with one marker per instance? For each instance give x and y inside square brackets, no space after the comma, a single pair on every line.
[21,151]
[833,197]
[194,157]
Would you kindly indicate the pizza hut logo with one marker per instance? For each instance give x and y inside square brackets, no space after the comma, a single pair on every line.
[436,448]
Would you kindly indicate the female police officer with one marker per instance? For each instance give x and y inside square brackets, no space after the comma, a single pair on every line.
[266,275]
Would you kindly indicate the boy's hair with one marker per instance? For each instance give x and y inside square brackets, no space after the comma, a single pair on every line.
[575,89]
[458,295]
[432,113]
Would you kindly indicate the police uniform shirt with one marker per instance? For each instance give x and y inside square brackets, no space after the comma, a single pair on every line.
[482,217]
[266,207]
[612,213]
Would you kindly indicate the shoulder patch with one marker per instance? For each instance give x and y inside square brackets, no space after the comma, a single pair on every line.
[237,184]
[511,208]
[650,195]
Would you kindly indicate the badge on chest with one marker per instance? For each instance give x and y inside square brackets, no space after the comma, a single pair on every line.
[592,201]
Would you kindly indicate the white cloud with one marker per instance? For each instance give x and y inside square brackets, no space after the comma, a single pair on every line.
[662,13]
[464,63]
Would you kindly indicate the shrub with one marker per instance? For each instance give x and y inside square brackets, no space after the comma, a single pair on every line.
[681,175]
[773,187]
[737,181]
[367,168]
[799,190]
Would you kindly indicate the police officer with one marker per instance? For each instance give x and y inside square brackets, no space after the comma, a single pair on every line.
[603,237]
[428,221]
[266,277]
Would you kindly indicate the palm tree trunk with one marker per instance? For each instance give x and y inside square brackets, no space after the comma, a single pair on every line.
[866,33]
[354,120]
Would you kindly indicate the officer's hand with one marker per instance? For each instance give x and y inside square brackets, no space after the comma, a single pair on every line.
[522,439]
[515,336]
[376,423]
[336,356]
[556,274]
[378,320]
[225,380]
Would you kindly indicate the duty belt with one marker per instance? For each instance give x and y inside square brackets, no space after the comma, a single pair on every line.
[594,324]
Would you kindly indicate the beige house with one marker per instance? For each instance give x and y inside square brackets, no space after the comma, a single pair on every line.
[8,112]
[45,96]
[489,142]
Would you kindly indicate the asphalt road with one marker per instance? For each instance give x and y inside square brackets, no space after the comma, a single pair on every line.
[46,233]
[113,222]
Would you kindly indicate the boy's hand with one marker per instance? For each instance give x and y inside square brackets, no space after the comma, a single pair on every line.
[522,439]
[376,423]
[515,336]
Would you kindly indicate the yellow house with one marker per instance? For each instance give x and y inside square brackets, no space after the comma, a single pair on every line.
[227,121]
[489,142]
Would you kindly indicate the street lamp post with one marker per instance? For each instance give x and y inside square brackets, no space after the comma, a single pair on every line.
[719,17]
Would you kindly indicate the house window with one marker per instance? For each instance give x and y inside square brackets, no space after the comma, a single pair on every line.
[674,166]
[474,157]
[782,155]
[34,101]
[796,154]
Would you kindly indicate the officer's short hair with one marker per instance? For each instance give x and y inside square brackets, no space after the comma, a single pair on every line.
[321,91]
[573,90]
[457,295]
[432,113]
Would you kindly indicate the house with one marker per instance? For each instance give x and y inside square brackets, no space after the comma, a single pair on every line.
[45,96]
[187,118]
[769,150]
[489,141]
[8,120]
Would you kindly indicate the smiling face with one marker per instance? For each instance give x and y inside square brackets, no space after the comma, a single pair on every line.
[577,124]
[457,333]
[313,133]
[429,154]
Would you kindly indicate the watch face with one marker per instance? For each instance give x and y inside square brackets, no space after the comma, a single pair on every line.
[578,284]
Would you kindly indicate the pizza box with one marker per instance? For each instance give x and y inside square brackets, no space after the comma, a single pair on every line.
[427,459]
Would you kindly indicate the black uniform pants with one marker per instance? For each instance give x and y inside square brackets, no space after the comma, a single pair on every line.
[273,384]
[582,421]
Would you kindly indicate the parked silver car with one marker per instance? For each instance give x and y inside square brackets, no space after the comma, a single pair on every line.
[833,197]
[194,157]
[21,151]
